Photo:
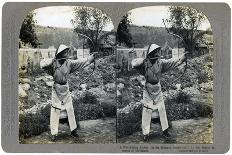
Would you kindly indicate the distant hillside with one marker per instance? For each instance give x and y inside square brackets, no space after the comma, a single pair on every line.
[142,36]
[145,35]
[53,36]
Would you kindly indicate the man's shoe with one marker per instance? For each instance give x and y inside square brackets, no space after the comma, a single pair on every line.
[74,134]
[145,138]
[53,138]
[166,134]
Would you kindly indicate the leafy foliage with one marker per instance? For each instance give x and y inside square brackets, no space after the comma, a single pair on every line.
[123,31]
[185,22]
[27,32]
[180,106]
[33,124]
[90,22]
[199,70]
[88,98]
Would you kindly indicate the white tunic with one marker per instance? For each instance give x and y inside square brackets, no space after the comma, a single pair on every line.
[153,108]
[61,97]
[153,102]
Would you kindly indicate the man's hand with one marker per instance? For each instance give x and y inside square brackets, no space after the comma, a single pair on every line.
[46,62]
[183,58]
[92,57]
[53,60]
[94,54]
[137,62]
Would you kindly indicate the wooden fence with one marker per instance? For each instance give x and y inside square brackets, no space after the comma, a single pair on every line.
[32,57]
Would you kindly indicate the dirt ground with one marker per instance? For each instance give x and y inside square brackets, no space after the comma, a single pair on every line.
[183,131]
[103,131]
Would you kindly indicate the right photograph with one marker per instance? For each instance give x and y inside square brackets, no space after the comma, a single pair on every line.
[164,76]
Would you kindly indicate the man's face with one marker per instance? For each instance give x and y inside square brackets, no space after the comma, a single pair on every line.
[156,53]
[63,54]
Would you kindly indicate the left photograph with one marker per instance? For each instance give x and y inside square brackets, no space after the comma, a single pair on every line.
[66,84]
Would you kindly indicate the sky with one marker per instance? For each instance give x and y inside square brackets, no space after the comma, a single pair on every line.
[60,16]
[153,16]
[149,16]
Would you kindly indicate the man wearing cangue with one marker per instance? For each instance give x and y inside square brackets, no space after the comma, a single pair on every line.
[152,68]
[62,107]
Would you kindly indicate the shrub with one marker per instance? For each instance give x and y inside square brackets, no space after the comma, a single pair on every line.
[208,58]
[34,71]
[32,124]
[202,77]
[88,111]
[108,78]
[129,119]
[109,106]
[46,111]
[86,98]
[204,110]
[109,109]
[87,107]
[132,92]
[182,97]
[123,101]
[182,107]
[29,101]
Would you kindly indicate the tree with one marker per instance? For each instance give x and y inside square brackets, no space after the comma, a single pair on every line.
[123,32]
[27,31]
[185,22]
[90,22]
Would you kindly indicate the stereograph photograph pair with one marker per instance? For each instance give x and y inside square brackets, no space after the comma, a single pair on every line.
[146,78]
